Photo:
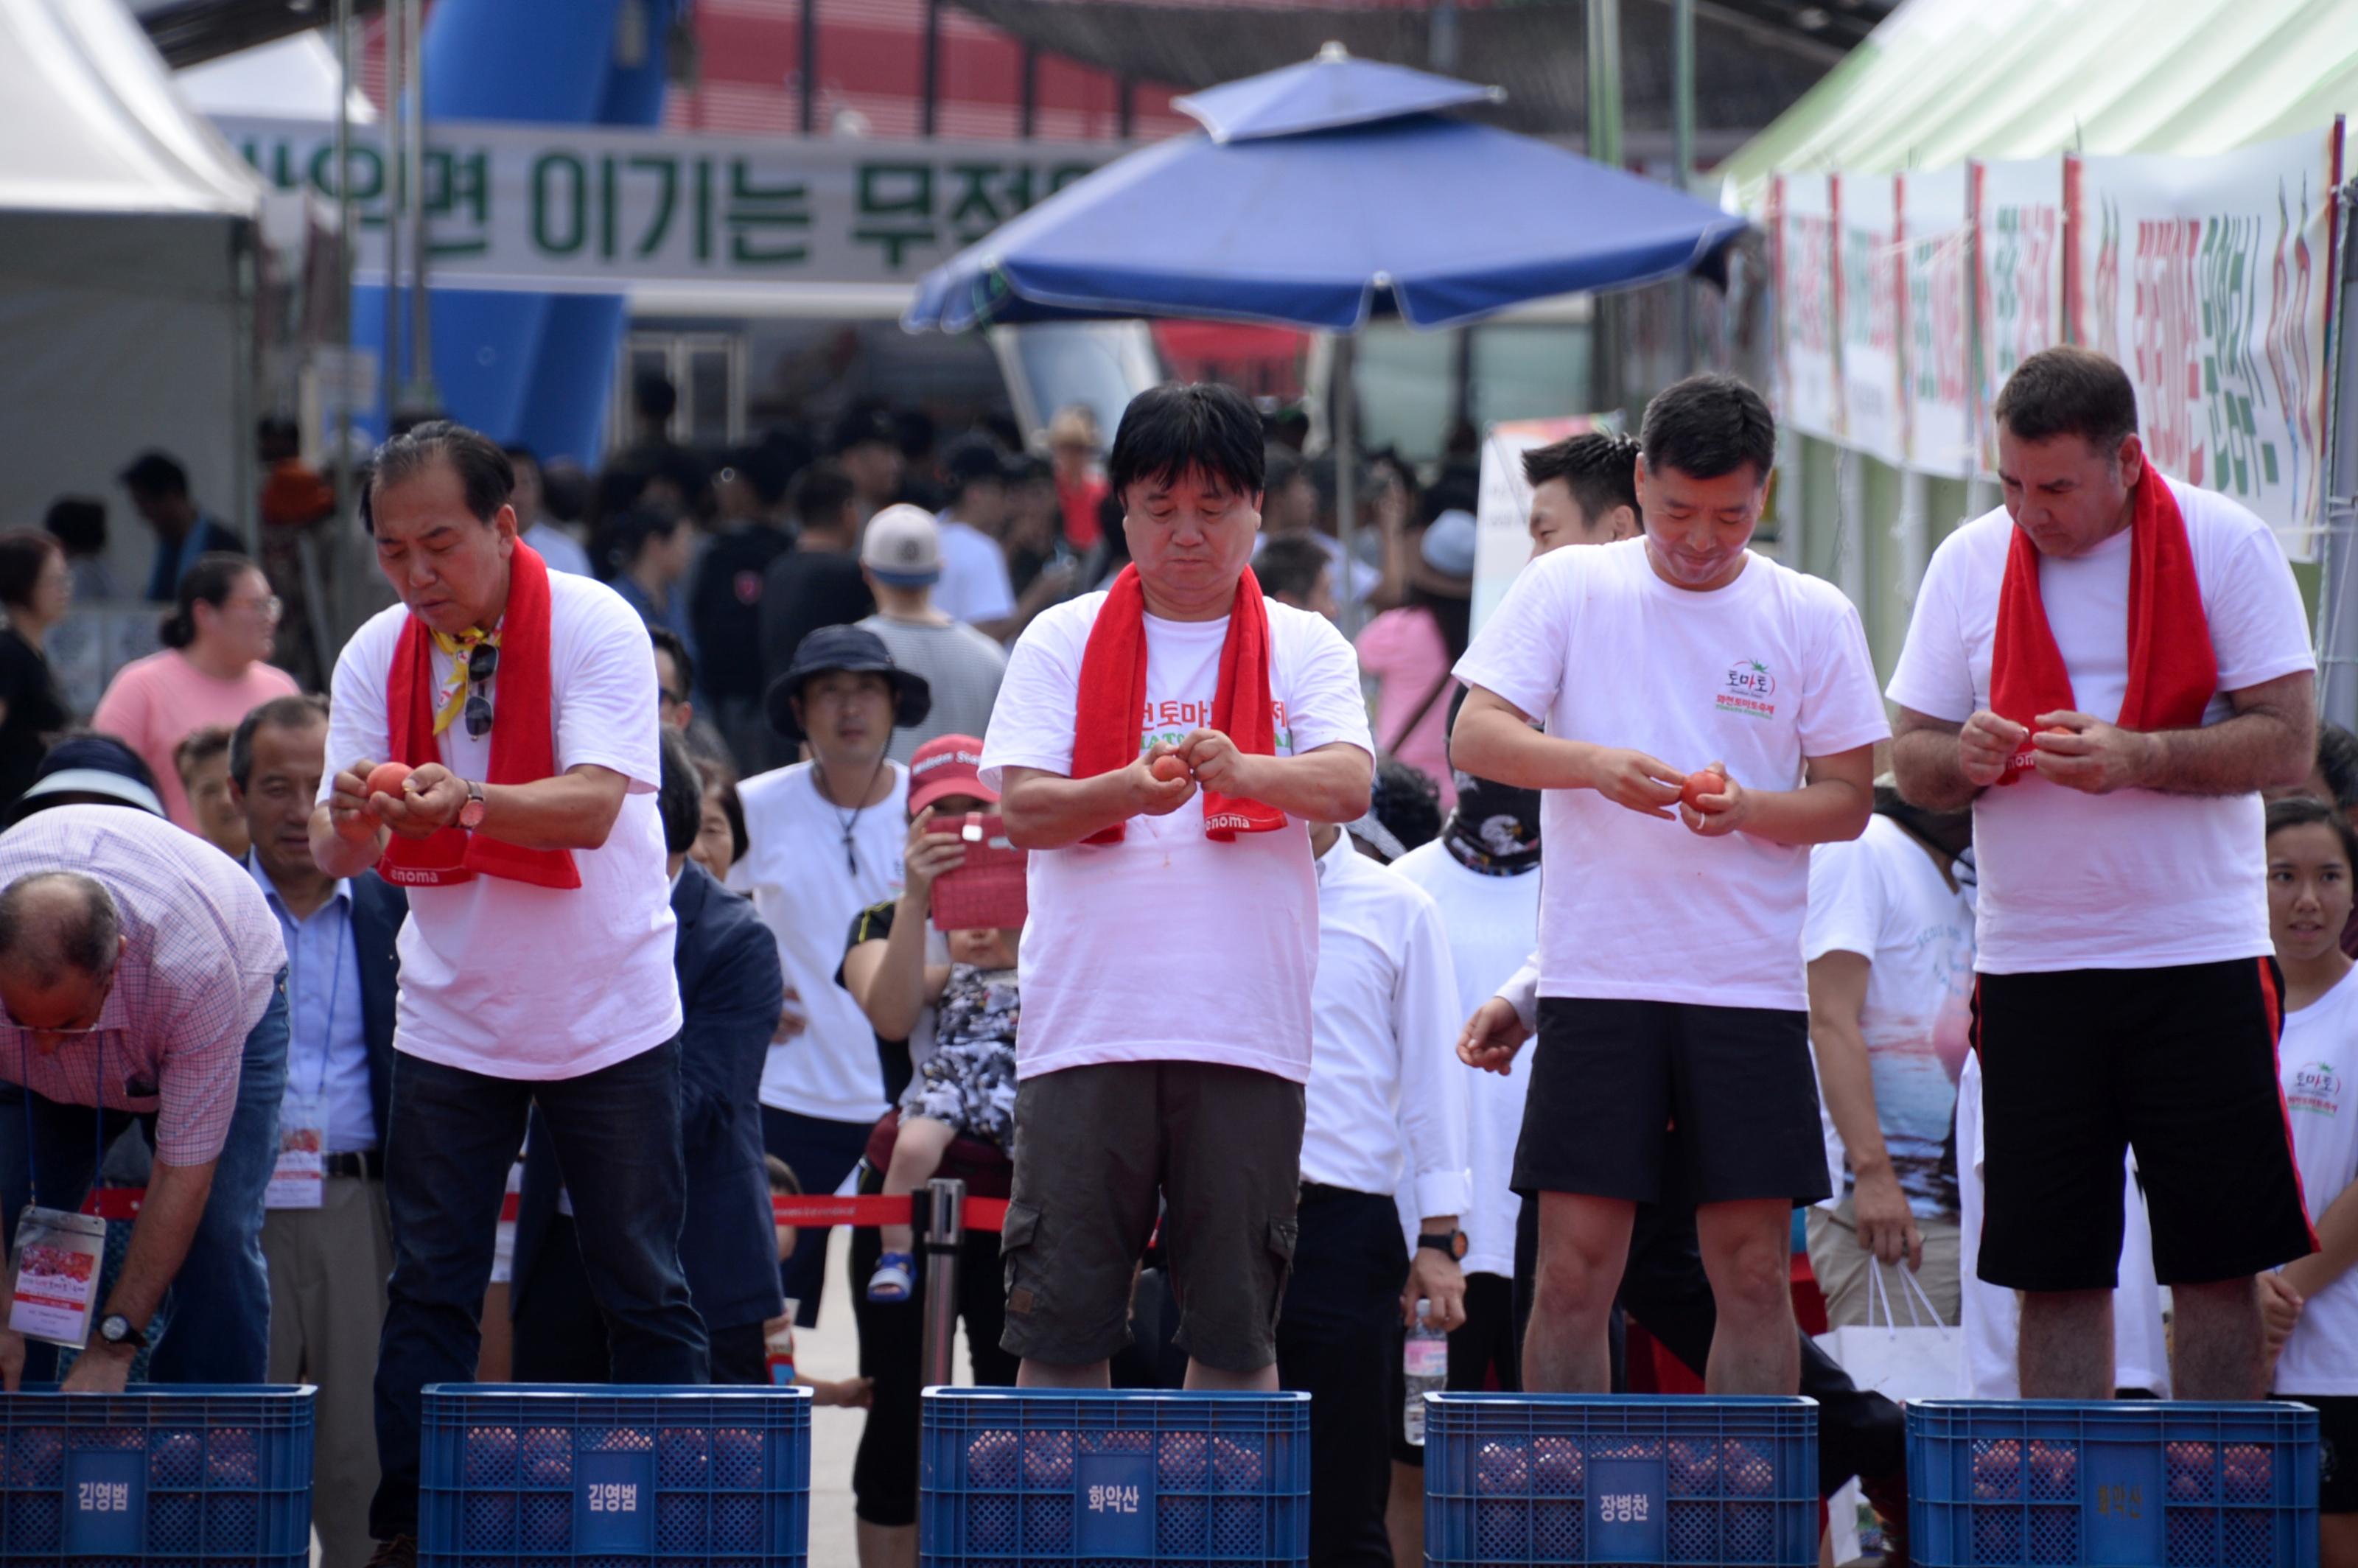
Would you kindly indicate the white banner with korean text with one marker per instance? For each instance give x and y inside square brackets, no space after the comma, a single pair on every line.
[575,208]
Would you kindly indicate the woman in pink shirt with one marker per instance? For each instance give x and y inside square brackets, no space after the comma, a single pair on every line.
[1407,652]
[210,672]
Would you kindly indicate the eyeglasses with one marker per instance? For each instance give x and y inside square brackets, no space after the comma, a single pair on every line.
[482,663]
[271,605]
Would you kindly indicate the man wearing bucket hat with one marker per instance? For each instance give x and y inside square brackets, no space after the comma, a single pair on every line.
[900,558]
[824,841]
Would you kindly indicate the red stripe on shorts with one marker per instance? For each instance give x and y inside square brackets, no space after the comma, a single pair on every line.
[2274,1000]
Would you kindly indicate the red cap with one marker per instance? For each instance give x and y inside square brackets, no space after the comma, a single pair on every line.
[946,765]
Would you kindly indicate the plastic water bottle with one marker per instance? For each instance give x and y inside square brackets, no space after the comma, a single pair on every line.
[1425,1360]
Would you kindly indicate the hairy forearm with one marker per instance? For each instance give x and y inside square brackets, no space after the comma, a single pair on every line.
[159,1238]
[1330,785]
[575,810]
[1492,743]
[2263,749]
[1041,811]
[1930,775]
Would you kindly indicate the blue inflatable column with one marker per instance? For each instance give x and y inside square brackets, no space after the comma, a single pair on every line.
[534,368]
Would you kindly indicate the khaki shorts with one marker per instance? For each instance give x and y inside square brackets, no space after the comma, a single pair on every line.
[1841,1264]
[1099,1150]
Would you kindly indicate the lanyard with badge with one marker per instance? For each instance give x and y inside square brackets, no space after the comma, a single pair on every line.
[54,1275]
[299,1178]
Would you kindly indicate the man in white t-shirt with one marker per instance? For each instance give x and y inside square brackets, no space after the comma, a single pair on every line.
[1160,748]
[2152,636]
[974,586]
[823,840]
[1671,981]
[537,961]
[1889,942]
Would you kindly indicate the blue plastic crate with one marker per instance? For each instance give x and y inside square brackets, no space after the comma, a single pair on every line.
[520,1474]
[1025,1475]
[2152,1483]
[1579,1478]
[161,1476]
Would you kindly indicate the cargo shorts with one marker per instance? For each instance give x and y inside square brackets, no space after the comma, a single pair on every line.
[1099,1150]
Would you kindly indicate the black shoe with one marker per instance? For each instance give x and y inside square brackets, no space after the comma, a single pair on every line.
[401,1551]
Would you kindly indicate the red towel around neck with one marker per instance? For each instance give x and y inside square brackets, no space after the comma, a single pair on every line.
[524,742]
[2173,673]
[1107,727]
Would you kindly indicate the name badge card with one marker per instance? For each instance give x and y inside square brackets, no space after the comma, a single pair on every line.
[55,1275]
[299,1179]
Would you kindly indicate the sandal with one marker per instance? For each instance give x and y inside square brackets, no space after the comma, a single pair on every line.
[894,1278]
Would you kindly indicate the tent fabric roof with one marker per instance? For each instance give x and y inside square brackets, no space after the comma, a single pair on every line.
[293,78]
[89,122]
[1943,81]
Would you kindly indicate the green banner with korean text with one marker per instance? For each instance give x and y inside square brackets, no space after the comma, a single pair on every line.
[572,207]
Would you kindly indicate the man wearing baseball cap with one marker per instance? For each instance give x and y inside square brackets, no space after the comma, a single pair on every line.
[824,841]
[901,558]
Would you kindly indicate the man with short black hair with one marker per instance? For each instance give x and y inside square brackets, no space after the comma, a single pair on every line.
[866,445]
[2127,661]
[674,678]
[1757,678]
[536,961]
[1583,490]
[975,587]
[184,533]
[142,975]
[817,583]
[724,603]
[327,1236]
[1161,748]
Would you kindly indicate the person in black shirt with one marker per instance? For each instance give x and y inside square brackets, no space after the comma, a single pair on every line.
[724,604]
[36,588]
[816,584]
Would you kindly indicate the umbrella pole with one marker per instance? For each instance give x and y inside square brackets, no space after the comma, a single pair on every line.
[1344,413]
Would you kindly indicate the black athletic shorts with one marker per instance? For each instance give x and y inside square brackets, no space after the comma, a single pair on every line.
[1609,1077]
[2337,1449]
[2078,1066]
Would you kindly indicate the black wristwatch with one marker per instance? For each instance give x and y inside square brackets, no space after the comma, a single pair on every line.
[115,1329]
[1450,1241]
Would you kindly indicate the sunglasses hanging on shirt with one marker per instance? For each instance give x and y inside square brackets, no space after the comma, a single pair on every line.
[482,663]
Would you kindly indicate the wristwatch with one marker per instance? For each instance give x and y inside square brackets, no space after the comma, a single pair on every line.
[1450,1241]
[471,815]
[115,1329]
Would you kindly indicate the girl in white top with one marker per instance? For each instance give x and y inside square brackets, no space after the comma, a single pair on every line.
[2311,1303]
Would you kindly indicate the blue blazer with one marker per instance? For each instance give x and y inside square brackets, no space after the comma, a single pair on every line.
[730,983]
[378,910]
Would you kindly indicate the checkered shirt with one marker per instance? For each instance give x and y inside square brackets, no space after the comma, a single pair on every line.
[204,955]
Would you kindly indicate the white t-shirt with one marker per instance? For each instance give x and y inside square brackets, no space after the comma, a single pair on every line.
[1491,924]
[1169,947]
[2317,1062]
[1880,896]
[500,977]
[802,884]
[1992,1317]
[1762,673]
[2134,880]
[974,585]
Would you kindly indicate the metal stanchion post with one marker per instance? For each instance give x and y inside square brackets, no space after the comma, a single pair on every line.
[944,1238]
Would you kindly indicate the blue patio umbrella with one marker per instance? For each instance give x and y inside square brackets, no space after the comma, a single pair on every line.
[1319,196]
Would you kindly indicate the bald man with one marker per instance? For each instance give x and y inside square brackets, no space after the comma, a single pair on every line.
[141,975]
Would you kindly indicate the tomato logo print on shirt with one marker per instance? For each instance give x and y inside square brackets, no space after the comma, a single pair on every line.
[1748,687]
[2315,1088]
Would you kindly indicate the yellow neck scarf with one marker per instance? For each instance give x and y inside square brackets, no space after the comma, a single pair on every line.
[454,690]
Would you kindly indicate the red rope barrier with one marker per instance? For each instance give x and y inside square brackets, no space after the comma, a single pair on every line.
[981,1214]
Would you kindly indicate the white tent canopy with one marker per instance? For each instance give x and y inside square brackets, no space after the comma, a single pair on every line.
[126,234]
[294,78]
